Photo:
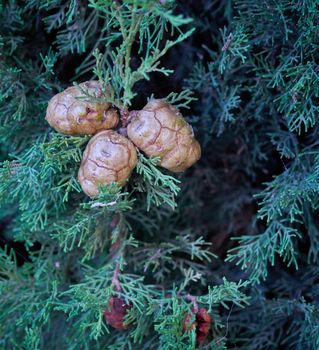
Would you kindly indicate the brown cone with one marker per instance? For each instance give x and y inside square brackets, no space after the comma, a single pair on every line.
[108,157]
[116,312]
[160,130]
[202,324]
[70,112]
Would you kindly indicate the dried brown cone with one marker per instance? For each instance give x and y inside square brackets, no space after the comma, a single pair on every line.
[115,313]
[160,130]
[108,157]
[202,324]
[70,111]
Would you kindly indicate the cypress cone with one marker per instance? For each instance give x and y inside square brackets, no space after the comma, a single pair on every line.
[71,111]
[160,130]
[115,313]
[108,157]
[202,324]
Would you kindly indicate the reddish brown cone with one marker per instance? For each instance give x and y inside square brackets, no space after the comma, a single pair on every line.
[115,313]
[201,323]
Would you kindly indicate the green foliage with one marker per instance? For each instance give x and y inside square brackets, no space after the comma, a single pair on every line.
[159,188]
[255,252]
[80,251]
[237,234]
[258,94]
[30,293]
[129,23]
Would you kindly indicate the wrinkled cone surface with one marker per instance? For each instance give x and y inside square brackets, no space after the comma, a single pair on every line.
[72,112]
[108,157]
[160,130]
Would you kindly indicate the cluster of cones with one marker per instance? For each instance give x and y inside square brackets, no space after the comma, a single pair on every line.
[158,130]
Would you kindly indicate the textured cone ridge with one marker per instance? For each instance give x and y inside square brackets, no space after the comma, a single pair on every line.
[70,112]
[108,157]
[160,130]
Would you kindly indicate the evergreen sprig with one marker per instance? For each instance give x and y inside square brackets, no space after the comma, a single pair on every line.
[159,187]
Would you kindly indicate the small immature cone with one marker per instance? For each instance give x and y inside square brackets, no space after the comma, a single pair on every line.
[115,313]
[202,324]
[160,130]
[70,111]
[108,157]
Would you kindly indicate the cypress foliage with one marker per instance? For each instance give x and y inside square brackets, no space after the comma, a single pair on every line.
[236,234]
